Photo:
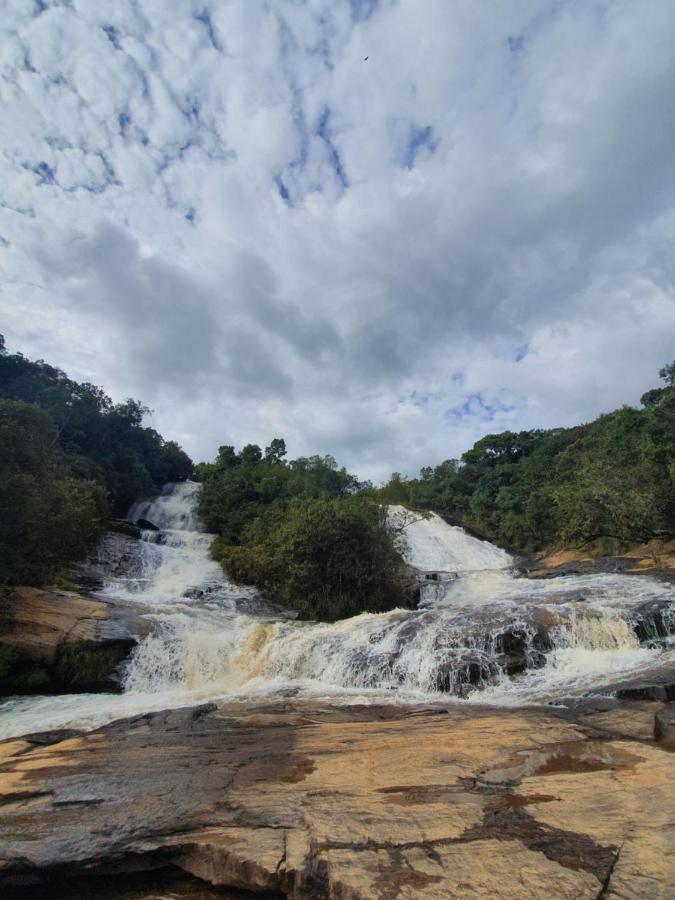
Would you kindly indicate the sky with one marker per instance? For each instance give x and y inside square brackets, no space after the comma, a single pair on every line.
[378,228]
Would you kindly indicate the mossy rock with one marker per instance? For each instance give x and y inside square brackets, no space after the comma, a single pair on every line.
[19,675]
[85,666]
[79,667]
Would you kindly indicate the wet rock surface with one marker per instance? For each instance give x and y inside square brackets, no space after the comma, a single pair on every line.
[55,640]
[308,801]
[655,558]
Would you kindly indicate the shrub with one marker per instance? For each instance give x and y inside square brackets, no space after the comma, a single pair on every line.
[327,559]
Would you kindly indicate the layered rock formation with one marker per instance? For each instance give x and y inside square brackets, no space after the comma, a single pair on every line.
[360,802]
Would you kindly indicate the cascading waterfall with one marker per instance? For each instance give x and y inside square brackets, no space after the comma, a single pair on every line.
[480,633]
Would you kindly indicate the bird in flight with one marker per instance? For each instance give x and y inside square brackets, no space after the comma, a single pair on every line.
[366,59]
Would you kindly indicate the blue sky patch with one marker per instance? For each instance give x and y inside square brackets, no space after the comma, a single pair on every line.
[363,9]
[417,139]
[323,132]
[205,18]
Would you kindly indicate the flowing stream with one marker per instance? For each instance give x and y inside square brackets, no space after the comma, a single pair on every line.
[480,635]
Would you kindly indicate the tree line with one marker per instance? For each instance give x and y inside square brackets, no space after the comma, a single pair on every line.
[306,531]
[69,458]
[605,484]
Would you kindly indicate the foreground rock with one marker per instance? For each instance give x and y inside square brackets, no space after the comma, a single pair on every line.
[54,640]
[358,802]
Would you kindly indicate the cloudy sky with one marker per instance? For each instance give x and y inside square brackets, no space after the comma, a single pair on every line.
[223,208]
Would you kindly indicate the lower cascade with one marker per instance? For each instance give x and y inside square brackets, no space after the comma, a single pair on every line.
[481,634]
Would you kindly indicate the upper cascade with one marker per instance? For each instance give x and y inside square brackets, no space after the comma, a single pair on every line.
[431,545]
[173,509]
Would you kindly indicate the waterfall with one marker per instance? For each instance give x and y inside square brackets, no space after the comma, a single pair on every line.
[431,545]
[481,633]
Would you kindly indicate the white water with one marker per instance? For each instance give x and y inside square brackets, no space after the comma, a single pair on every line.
[212,639]
[435,546]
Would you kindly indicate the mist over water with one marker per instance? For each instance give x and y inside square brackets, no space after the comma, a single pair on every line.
[481,634]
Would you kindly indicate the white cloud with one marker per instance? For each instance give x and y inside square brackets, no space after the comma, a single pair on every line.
[225,210]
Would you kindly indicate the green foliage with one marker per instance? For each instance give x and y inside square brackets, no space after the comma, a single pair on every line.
[611,482]
[327,559]
[101,441]
[303,531]
[245,495]
[47,518]
[67,454]
[80,667]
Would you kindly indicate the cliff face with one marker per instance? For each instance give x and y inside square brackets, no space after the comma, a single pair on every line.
[360,802]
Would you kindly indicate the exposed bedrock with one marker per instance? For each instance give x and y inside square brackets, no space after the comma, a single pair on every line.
[354,802]
[55,641]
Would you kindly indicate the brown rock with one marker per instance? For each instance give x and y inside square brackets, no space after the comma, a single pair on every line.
[74,642]
[359,802]
[664,727]
[37,621]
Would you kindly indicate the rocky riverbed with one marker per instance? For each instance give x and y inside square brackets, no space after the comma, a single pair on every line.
[408,754]
[304,800]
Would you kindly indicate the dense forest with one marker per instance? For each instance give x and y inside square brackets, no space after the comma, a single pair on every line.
[303,531]
[605,484]
[69,458]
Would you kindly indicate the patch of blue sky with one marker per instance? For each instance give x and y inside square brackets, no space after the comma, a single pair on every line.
[322,50]
[418,398]
[58,143]
[300,124]
[323,131]
[44,172]
[110,173]
[124,121]
[205,18]
[521,352]
[363,9]
[515,42]
[418,138]
[282,189]
[113,35]
[476,405]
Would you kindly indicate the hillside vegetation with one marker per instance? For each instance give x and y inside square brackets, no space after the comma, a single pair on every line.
[305,532]
[69,457]
[608,483]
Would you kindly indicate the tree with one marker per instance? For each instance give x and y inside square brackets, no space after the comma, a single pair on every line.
[276,450]
[100,440]
[250,455]
[609,480]
[47,519]
[327,559]
[667,374]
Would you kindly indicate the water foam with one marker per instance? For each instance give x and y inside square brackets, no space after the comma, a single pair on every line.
[484,635]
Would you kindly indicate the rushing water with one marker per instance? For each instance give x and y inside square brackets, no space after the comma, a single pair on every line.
[481,634]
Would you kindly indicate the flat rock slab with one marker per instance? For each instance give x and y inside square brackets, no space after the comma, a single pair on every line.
[36,621]
[358,802]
